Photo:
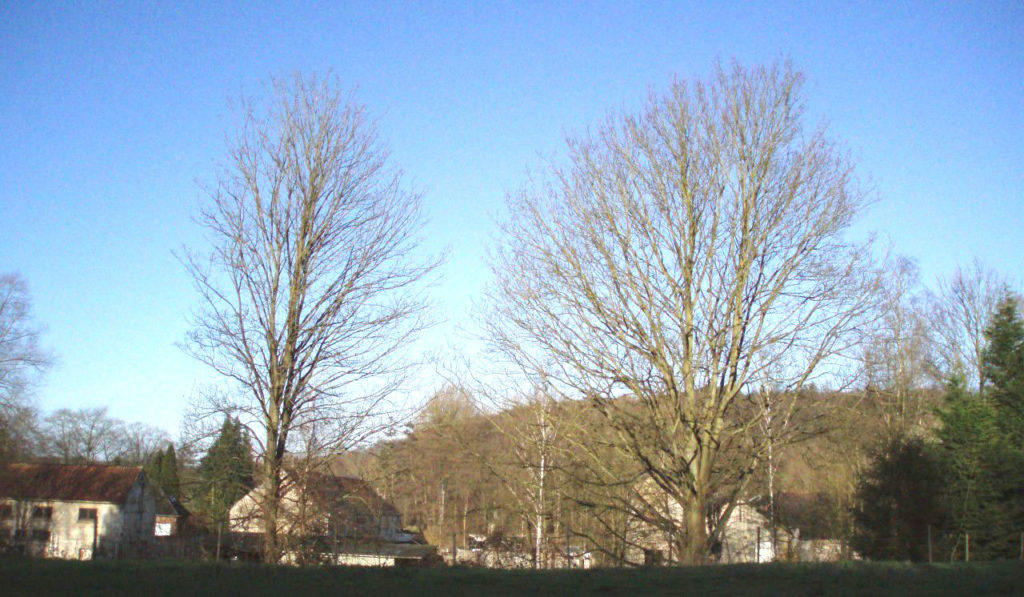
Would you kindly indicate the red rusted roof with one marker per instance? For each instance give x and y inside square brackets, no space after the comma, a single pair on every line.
[348,493]
[67,482]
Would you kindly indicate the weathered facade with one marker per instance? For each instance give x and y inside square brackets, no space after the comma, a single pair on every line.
[75,511]
[747,538]
[331,519]
[799,533]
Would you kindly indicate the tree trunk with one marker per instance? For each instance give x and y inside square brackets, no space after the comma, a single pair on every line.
[538,547]
[271,503]
[694,540]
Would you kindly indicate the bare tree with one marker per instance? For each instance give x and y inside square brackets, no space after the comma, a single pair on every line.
[677,259]
[532,426]
[140,441]
[20,437]
[898,353]
[960,315]
[20,353]
[311,290]
[83,436]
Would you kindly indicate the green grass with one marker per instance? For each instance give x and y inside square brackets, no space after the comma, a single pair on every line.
[19,576]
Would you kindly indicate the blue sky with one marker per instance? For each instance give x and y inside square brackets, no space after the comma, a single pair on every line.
[111,113]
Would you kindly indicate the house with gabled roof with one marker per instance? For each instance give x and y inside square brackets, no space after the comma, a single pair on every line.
[75,511]
[329,518]
[798,531]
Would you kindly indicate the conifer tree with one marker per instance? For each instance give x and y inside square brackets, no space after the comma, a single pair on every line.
[982,437]
[968,437]
[226,471]
[898,499]
[162,471]
[154,466]
[169,472]
[1003,366]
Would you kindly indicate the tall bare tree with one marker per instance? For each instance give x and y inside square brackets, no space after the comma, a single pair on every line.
[532,425]
[898,354]
[20,437]
[140,441]
[311,289]
[21,357]
[83,436]
[960,315]
[675,260]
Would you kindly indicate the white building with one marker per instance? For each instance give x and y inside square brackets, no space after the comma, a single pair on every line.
[330,519]
[75,511]
[800,532]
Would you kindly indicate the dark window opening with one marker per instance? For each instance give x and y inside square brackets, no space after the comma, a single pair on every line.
[40,535]
[87,514]
[42,512]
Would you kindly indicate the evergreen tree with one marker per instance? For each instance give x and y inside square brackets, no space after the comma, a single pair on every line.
[169,472]
[969,440]
[225,472]
[154,466]
[1003,367]
[162,470]
[983,445]
[898,500]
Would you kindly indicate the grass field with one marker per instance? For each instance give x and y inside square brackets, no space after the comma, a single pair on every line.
[20,576]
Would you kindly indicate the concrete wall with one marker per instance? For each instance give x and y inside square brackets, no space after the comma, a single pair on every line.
[118,530]
[65,535]
[245,516]
[748,537]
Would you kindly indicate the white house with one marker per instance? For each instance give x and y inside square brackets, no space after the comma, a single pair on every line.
[329,518]
[800,533]
[75,511]
[746,538]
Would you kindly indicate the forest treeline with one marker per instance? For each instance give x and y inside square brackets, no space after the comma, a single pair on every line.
[910,466]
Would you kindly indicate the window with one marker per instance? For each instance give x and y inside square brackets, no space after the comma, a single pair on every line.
[86,514]
[42,512]
[40,535]
[6,512]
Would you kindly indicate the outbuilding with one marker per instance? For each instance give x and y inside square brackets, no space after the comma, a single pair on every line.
[75,511]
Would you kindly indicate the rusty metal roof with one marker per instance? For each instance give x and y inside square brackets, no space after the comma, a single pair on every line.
[337,492]
[68,482]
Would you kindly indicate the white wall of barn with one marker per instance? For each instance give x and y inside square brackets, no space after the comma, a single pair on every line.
[116,530]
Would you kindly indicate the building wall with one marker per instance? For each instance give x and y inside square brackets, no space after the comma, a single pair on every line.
[294,513]
[138,519]
[244,515]
[118,530]
[747,537]
[63,535]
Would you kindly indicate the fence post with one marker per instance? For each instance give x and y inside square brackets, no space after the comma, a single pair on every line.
[929,544]
[967,548]
[568,556]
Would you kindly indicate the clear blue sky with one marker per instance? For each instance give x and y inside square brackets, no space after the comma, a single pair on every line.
[110,113]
